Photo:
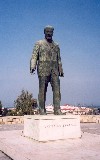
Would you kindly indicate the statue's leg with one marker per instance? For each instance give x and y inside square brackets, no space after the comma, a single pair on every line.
[55,83]
[42,94]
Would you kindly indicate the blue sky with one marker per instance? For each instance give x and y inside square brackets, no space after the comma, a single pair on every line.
[77,30]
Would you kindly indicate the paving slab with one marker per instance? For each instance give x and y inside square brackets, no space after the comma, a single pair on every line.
[4,156]
[18,147]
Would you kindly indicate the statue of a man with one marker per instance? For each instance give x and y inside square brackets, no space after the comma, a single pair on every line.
[46,56]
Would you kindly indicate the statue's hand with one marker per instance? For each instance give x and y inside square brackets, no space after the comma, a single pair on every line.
[61,74]
[32,70]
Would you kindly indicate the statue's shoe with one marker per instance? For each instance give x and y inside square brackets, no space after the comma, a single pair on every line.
[42,112]
[58,112]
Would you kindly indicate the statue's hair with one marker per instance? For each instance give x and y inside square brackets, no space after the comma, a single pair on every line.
[48,27]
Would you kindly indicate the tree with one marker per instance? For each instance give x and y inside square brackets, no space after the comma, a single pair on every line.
[4,111]
[0,108]
[23,103]
[0,105]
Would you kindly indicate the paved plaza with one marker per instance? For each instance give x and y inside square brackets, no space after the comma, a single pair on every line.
[3,156]
[18,147]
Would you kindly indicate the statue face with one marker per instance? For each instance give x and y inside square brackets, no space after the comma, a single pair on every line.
[48,34]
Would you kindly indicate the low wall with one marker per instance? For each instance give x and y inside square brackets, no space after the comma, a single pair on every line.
[90,118]
[20,119]
[12,120]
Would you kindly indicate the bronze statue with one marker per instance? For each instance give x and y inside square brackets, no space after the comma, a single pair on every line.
[46,56]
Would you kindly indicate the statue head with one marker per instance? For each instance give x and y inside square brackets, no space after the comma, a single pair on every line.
[48,31]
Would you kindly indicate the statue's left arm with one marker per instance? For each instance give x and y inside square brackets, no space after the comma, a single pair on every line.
[61,73]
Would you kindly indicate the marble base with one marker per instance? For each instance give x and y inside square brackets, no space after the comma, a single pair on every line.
[52,127]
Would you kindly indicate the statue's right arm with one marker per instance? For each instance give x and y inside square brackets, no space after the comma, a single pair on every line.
[34,58]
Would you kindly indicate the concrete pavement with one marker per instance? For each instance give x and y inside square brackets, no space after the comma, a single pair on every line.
[3,156]
[18,147]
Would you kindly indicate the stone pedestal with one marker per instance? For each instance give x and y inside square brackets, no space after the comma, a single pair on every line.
[52,127]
